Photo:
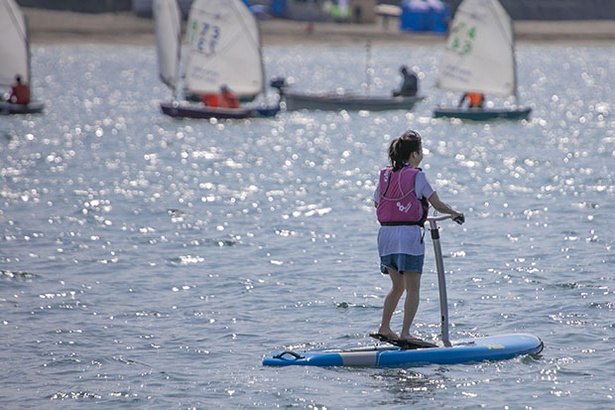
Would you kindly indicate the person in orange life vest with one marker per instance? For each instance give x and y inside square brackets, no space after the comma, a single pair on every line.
[210,100]
[475,100]
[228,99]
[397,198]
[20,92]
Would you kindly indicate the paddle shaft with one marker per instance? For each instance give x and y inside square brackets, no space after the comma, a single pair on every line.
[435,237]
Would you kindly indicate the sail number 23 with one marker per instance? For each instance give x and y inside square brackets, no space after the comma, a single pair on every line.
[205,38]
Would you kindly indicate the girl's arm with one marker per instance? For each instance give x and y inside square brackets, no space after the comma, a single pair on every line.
[440,206]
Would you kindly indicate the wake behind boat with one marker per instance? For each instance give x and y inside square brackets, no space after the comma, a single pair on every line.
[407,354]
[15,56]
[480,58]
[222,51]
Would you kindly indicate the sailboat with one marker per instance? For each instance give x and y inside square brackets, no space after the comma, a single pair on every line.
[342,99]
[15,56]
[222,49]
[480,58]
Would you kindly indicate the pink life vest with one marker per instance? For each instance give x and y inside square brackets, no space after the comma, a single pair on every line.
[399,205]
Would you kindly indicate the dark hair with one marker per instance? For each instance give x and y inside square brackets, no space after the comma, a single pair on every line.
[401,148]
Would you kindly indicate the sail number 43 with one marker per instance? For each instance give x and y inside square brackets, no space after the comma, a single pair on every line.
[462,38]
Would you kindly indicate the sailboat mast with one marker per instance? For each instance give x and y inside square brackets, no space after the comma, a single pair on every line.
[178,57]
[368,69]
[28,57]
[514,59]
[260,53]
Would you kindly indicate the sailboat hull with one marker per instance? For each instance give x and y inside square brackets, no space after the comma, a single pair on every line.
[349,102]
[203,112]
[480,114]
[34,107]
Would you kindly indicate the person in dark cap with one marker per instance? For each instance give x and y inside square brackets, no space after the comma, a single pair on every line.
[410,83]
[228,98]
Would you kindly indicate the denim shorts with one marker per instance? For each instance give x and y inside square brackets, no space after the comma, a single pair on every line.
[402,262]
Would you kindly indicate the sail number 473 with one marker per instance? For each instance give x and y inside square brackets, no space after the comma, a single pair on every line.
[205,38]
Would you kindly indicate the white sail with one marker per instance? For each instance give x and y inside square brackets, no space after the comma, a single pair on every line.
[13,44]
[167,22]
[223,48]
[479,55]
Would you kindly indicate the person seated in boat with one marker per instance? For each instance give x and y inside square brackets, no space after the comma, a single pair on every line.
[20,92]
[210,100]
[225,99]
[410,83]
[228,99]
[475,100]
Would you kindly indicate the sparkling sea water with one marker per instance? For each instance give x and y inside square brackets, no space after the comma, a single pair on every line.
[147,262]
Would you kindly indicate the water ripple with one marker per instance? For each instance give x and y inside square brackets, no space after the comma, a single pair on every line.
[148,261]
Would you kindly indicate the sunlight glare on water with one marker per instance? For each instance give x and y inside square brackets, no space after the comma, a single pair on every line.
[153,262]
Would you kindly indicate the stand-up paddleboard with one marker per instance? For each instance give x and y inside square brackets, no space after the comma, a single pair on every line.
[466,351]
[396,353]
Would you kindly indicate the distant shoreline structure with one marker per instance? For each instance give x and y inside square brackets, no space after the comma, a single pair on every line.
[65,27]
[544,10]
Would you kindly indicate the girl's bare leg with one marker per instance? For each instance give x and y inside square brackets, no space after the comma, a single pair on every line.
[390,302]
[412,285]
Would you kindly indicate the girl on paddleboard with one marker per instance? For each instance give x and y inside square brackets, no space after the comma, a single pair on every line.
[402,200]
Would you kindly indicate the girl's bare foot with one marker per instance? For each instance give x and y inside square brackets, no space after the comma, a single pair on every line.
[411,338]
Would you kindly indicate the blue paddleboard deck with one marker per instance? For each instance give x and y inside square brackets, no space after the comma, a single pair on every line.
[501,347]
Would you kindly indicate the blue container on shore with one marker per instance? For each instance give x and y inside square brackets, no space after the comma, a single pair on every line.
[278,7]
[418,15]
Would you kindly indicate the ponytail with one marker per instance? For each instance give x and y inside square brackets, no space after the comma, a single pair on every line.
[401,148]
